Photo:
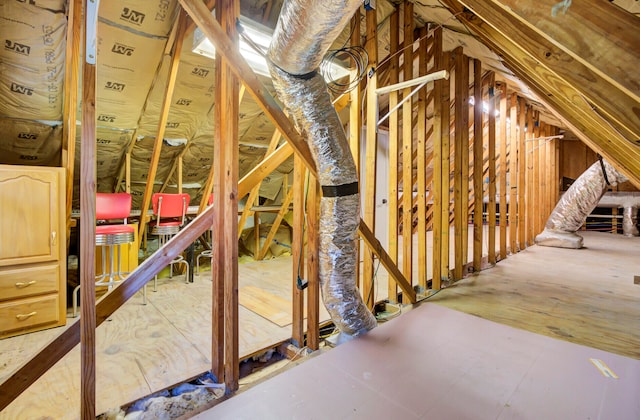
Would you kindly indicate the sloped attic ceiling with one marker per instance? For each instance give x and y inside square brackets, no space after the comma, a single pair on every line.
[135,40]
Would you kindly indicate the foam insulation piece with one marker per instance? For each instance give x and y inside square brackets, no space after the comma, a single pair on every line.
[27,142]
[576,204]
[127,64]
[32,59]
[153,17]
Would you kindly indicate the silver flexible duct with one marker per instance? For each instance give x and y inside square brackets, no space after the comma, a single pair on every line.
[576,204]
[305,30]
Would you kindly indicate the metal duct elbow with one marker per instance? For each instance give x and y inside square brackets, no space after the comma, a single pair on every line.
[576,204]
[304,32]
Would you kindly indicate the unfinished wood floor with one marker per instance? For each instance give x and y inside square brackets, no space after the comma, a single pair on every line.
[586,296]
[143,349]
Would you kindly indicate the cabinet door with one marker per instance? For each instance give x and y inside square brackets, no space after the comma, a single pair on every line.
[29,214]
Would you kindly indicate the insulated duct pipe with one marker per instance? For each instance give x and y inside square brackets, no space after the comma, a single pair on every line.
[305,31]
[576,204]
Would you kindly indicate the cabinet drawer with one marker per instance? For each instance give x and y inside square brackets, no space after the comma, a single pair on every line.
[25,313]
[28,281]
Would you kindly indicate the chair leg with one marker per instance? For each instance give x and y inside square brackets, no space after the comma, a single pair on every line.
[75,296]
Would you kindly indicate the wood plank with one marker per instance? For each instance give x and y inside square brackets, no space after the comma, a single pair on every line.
[491,151]
[225,188]
[503,172]
[537,170]
[162,123]
[72,60]
[447,178]
[371,47]
[267,305]
[407,149]
[440,149]
[313,270]
[478,160]
[88,233]
[513,173]
[355,114]
[422,163]
[530,218]
[394,39]
[522,170]
[297,250]
[284,208]
[461,150]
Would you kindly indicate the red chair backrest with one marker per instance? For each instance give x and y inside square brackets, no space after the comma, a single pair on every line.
[113,206]
[210,202]
[170,205]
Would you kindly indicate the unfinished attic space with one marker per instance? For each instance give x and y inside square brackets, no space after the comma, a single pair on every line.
[341,208]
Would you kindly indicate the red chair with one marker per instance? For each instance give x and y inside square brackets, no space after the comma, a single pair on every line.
[170,211]
[110,206]
[207,253]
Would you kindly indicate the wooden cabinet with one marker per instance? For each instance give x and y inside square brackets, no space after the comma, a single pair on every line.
[32,249]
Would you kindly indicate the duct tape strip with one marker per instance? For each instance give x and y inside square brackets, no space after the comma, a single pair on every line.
[604,172]
[340,190]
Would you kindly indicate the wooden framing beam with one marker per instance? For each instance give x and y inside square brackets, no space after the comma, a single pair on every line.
[394,39]
[355,115]
[503,173]
[513,173]
[539,223]
[297,250]
[253,195]
[531,233]
[224,263]
[88,229]
[491,150]
[162,122]
[313,268]
[207,24]
[478,161]
[284,208]
[461,150]
[407,148]
[422,163]
[439,149]
[371,151]
[522,170]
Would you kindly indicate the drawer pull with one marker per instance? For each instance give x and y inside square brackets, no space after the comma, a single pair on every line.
[25,316]
[22,285]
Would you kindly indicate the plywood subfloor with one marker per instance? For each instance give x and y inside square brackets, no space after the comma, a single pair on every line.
[143,349]
[586,296]
[436,363]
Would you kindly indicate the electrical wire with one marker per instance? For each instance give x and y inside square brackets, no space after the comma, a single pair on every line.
[360,59]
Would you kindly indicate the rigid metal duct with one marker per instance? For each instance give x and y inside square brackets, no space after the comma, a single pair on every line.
[576,204]
[305,30]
